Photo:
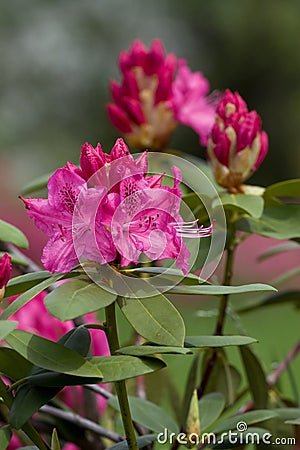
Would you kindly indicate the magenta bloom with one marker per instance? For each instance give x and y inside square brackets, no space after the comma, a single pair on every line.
[237,145]
[154,96]
[5,269]
[190,103]
[109,211]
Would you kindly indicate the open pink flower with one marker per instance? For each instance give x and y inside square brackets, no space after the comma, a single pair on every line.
[109,210]
[155,93]
[237,145]
[190,103]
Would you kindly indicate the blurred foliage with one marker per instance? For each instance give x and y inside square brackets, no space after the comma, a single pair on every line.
[57,59]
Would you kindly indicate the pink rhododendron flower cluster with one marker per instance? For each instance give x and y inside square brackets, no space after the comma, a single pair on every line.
[35,318]
[112,211]
[156,92]
[237,146]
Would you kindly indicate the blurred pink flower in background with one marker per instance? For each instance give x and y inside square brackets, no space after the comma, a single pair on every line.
[156,92]
[190,103]
[236,146]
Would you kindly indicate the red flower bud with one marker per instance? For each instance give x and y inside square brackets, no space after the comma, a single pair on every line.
[5,270]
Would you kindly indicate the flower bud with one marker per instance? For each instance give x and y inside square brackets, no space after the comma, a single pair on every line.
[5,269]
[236,146]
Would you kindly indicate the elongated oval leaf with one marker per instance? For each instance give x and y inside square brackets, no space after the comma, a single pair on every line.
[173,274]
[220,290]
[256,378]
[13,365]
[210,408]
[28,400]
[250,204]
[289,188]
[279,222]
[77,297]
[51,355]
[6,326]
[24,282]
[28,295]
[147,414]
[5,437]
[10,233]
[145,350]
[249,418]
[217,341]
[116,368]
[154,318]
[278,249]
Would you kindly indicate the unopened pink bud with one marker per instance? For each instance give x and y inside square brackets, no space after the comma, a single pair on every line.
[237,145]
[5,270]
[119,119]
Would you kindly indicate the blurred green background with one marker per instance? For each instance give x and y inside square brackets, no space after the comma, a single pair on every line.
[57,58]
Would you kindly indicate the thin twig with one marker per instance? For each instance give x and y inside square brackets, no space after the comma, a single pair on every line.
[81,422]
[98,390]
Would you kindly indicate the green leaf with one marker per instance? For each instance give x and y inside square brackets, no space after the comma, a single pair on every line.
[249,418]
[6,326]
[147,414]
[154,318]
[278,249]
[10,233]
[279,222]
[142,441]
[146,350]
[28,295]
[51,355]
[224,377]
[256,378]
[116,368]
[220,290]
[28,400]
[36,185]
[250,204]
[76,298]
[42,385]
[278,299]
[5,437]
[293,421]
[289,188]
[288,413]
[169,274]
[210,408]
[13,365]
[24,282]
[217,341]
[55,445]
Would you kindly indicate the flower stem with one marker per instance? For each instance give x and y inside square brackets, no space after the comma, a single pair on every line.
[113,342]
[226,282]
